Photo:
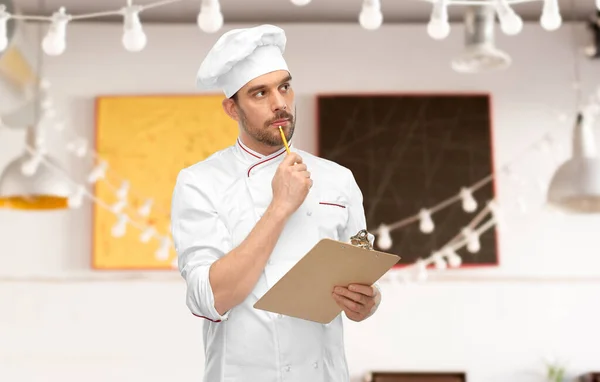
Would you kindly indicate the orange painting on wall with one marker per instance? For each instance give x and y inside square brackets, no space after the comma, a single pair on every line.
[146,141]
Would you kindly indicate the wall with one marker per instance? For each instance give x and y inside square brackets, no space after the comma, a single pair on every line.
[61,323]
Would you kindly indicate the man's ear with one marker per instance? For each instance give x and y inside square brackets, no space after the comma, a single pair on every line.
[231,109]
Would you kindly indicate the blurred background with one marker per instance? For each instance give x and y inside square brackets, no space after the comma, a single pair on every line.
[470,126]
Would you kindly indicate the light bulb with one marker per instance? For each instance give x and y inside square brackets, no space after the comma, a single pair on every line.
[210,18]
[421,270]
[426,225]
[438,261]
[384,241]
[162,253]
[123,190]
[147,234]
[454,260]
[119,229]
[510,22]
[76,199]
[472,238]
[300,3]
[54,43]
[98,172]
[145,208]
[30,166]
[370,16]
[551,18]
[438,27]
[469,204]
[4,16]
[134,39]
[497,215]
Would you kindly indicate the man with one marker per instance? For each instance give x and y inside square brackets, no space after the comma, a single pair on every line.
[244,216]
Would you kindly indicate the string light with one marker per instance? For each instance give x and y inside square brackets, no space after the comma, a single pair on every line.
[78,147]
[210,19]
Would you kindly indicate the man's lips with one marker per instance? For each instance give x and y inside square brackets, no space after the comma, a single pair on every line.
[280,122]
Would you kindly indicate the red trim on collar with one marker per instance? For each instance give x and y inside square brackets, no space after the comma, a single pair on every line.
[206,318]
[264,161]
[243,148]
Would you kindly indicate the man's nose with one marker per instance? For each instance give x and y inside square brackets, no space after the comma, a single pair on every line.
[278,103]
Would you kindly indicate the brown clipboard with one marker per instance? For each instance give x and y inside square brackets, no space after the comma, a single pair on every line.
[305,291]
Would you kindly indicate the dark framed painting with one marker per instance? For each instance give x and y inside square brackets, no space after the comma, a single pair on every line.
[412,151]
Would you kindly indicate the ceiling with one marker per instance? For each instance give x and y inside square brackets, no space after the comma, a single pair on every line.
[277,11]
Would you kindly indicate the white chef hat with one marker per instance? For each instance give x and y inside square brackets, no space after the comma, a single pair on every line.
[241,55]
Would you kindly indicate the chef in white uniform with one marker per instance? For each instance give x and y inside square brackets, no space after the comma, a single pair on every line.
[244,216]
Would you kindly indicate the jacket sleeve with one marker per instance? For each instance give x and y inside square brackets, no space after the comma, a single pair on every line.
[200,238]
[357,221]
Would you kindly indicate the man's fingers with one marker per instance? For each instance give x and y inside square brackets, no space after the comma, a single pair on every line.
[348,305]
[356,297]
[292,158]
[299,167]
[362,289]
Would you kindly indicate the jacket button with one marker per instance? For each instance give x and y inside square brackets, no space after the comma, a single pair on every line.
[288,368]
[316,365]
[309,213]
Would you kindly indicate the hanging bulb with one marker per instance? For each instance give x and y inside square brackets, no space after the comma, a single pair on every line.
[119,229]
[472,238]
[300,3]
[426,225]
[162,253]
[496,214]
[453,259]
[147,234]
[54,43]
[551,18]
[510,22]
[144,210]
[384,241]
[438,27]
[210,18]
[469,204]
[370,16]
[76,199]
[123,190]
[4,17]
[118,206]
[438,261]
[98,172]
[421,270]
[78,147]
[134,39]
[30,166]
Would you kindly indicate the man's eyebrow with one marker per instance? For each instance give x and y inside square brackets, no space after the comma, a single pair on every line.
[260,87]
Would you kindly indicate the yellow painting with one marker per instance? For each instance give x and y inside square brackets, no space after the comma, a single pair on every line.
[146,141]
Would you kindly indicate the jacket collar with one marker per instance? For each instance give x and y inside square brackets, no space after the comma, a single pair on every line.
[252,156]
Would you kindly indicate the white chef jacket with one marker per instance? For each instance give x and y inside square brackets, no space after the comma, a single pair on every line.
[215,204]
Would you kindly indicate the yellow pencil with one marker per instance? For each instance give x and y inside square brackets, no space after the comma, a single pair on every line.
[287,148]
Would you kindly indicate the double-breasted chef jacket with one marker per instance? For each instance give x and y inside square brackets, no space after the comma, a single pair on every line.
[215,205]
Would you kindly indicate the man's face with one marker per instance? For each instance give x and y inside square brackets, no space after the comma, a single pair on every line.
[264,104]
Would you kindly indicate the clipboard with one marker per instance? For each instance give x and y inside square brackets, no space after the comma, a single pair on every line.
[305,291]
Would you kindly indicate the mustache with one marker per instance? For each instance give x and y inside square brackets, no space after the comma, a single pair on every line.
[281,115]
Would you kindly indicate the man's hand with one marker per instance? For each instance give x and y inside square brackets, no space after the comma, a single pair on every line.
[290,184]
[358,301]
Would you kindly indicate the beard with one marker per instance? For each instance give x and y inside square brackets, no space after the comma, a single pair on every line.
[267,134]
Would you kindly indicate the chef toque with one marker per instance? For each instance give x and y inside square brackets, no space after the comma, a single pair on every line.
[241,55]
